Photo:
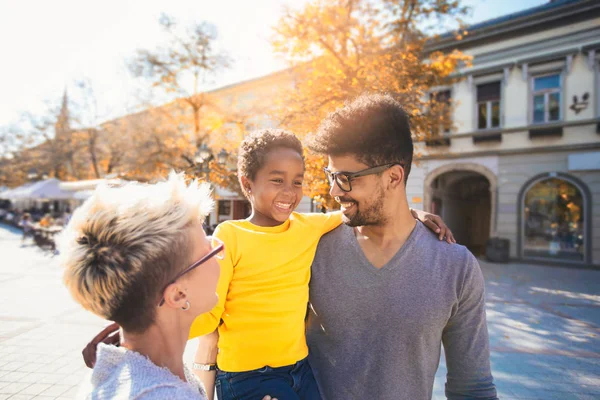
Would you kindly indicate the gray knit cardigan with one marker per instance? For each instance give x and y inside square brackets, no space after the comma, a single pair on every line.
[124,374]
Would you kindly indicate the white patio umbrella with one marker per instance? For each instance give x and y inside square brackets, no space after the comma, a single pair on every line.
[83,194]
[12,194]
[43,190]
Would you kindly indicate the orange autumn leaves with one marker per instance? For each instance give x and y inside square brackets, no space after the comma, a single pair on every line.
[342,48]
[337,50]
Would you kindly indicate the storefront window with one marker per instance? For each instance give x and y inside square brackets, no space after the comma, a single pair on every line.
[554,221]
[225,207]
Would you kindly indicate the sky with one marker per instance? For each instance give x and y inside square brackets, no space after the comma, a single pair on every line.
[46,46]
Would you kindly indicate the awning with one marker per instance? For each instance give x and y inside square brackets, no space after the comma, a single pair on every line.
[9,194]
[43,190]
[90,184]
[83,194]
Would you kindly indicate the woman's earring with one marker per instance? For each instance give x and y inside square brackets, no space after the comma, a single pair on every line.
[187,306]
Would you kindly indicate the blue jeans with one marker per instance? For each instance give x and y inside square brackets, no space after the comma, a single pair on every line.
[292,382]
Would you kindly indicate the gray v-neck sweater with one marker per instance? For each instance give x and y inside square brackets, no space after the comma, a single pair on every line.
[376,333]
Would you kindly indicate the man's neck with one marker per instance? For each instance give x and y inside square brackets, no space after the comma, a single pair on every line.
[396,229]
[380,243]
[164,347]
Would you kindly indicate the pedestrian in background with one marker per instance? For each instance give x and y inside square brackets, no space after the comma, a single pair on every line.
[27,227]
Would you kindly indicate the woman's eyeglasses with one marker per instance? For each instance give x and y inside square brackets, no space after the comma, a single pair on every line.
[218,251]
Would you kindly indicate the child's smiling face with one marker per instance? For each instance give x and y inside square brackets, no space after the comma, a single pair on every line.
[277,188]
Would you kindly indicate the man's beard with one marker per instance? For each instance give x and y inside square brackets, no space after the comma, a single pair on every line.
[370,215]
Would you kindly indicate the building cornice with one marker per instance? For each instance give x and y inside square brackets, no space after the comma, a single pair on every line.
[523,128]
[506,152]
[548,16]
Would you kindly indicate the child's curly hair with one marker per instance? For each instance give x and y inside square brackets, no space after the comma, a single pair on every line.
[256,146]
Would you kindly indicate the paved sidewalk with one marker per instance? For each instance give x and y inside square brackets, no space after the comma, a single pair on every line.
[544,325]
[544,328]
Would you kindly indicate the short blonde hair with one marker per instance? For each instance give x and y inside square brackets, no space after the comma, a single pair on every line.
[124,244]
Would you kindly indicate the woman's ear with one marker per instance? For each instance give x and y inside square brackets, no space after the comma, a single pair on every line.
[175,296]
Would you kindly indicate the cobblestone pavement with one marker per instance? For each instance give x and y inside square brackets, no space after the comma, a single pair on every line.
[544,325]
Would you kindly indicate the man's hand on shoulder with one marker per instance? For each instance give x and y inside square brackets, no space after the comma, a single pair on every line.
[109,335]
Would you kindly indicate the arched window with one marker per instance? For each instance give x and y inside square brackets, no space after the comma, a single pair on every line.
[554,220]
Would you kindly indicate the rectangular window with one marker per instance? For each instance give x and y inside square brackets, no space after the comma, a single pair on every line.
[488,105]
[224,207]
[546,98]
[443,96]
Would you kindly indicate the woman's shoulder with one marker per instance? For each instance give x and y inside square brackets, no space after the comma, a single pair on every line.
[121,372]
[174,388]
[168,392]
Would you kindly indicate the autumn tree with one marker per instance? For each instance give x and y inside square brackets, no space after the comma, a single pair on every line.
[47,143]
[180,69]
[11,142]
[86,120]
[342,48]
[64,141]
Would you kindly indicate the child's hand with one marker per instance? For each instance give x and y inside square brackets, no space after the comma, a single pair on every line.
[435,223]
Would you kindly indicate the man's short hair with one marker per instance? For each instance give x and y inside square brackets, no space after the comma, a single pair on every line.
[373,127]
[124,244]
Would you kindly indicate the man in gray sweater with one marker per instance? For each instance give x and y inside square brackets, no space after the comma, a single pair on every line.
[385,292]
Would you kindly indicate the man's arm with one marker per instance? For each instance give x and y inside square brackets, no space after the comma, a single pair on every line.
[466,341]
[109,335]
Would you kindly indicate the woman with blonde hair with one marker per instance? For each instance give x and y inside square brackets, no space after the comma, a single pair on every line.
[137,255]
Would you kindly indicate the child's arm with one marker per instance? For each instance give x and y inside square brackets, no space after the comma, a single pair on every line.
[206,323]
[435,223]
[330,221]
[206,355]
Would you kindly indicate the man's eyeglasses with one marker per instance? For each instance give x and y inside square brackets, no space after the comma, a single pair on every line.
[218,251]
[344,179]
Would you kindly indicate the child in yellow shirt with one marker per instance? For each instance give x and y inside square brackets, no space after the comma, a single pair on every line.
[263,288]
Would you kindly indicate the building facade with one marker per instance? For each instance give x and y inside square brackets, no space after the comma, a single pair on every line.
[522,161]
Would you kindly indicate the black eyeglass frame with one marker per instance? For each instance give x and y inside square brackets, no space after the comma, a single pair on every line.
[350,176]
[216,250]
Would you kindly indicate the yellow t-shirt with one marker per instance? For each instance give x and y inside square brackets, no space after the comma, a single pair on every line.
[263,291]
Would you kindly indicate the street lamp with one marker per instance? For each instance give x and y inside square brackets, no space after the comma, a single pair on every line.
[204,156]
[202,159]
[222,157]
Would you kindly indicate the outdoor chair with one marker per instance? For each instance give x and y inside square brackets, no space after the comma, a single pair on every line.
[43,240]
